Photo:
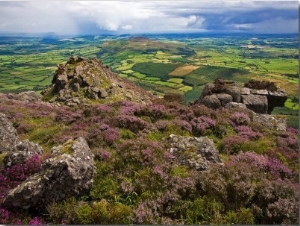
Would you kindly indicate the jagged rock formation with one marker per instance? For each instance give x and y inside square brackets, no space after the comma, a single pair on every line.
[82,81]
[196,152]
[258,96]
[15,150]
[69,172]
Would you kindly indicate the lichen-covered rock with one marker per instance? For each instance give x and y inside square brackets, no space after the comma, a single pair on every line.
[69,172]
[8,135]
[23,150]
[196,152]
[235,105]
[16,151]
[277,122]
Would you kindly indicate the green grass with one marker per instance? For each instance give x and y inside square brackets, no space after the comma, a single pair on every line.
[138,75]
[206,74]
[186,88]
[176,80]
[160,70]
[292,105]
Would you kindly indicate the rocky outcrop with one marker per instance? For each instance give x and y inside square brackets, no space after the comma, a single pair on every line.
[22,151]
[196,152]
[277,122]
[258,96]
[25,97]
[16,151]
[8,135]
[69,172]
[82,81]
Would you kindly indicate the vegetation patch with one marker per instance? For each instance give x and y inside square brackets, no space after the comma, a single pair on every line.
[183,70]
[159,70]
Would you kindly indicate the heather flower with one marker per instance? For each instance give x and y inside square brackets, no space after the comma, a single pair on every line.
[111,135]
[183,124]
[10,177]
[264,163]
[251,135]
[104,127]
[4,216]
[104,155]
[146,213]
[242,129]
[157,170]
[232,144]
[103,108]
[201,124]
[35,221]
[132,123]
[129,108]
[239,118]
[162,124]
[147,154]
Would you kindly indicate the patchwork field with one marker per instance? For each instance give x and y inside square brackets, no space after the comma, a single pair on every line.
[160,63]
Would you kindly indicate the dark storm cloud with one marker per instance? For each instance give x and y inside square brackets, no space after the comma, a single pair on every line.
[231,19]
[92,17]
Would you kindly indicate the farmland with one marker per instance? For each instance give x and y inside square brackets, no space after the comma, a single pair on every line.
[160,63]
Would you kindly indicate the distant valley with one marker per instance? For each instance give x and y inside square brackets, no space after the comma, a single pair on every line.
[177,64]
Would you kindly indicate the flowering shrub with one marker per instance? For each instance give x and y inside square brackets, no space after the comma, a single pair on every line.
[102,154]
[232,144]
[10,177]
[132,123]
[4,216]
[111,135]
[155,112]
[201,124]
[254,181]
[239,118]
[36,221]
[129,108]
[185,125]
[272,166]
[103,108]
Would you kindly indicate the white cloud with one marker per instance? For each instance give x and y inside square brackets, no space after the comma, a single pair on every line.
[127,27]
[74,17]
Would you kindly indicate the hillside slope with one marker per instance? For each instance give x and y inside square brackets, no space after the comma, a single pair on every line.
[115,160]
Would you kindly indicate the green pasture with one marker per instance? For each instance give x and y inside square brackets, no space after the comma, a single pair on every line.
[176,80]
[160,70]
[30,64]
[206,74]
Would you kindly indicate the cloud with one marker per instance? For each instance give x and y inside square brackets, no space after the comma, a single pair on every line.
[96,17]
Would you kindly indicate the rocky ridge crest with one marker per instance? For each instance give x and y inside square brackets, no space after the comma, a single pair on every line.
[84,81]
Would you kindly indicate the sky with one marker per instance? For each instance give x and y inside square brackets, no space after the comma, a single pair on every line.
[133,17]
